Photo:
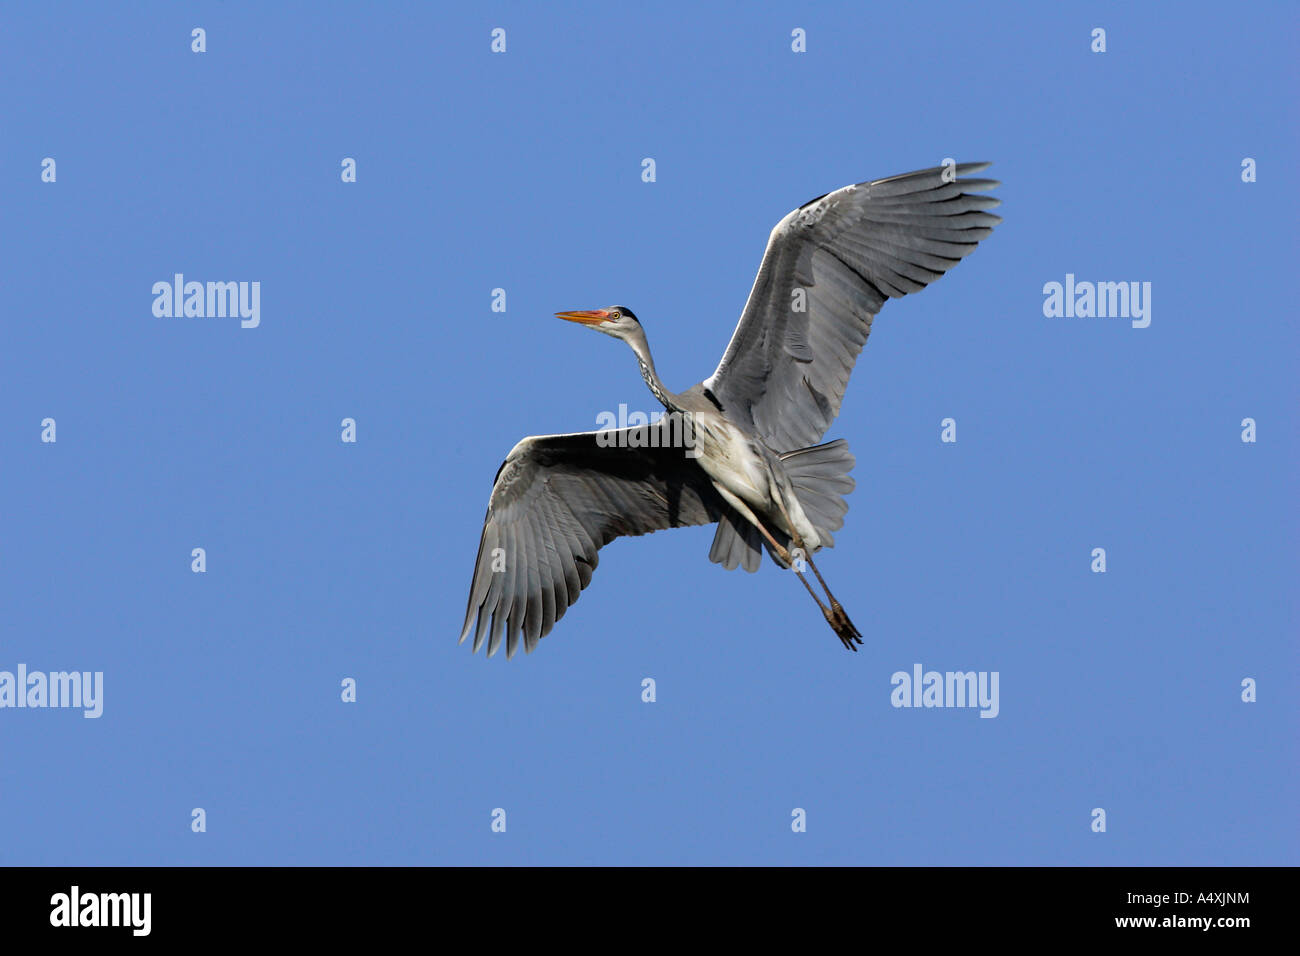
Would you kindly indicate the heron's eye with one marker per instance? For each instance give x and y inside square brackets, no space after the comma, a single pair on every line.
[617,315]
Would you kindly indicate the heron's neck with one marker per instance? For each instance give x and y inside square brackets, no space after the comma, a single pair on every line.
[647,364]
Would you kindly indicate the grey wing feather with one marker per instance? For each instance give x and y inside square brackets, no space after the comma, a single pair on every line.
[787,365]
[556,501]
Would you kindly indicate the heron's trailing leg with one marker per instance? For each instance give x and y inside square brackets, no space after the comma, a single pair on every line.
[784,555]
[835,616]
[843,626]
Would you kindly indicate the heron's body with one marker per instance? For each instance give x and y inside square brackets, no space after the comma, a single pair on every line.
[752,463]
[750,476]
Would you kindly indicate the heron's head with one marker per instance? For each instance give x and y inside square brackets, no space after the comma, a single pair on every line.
[617,321]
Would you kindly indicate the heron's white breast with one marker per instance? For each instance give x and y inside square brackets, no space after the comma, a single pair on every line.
[730,458]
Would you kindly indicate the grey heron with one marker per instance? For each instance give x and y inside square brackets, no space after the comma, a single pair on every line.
[748,461]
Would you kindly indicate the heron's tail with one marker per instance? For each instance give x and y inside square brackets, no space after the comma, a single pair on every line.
[820,477]
[736,542]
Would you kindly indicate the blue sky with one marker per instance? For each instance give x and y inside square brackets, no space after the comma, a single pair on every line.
[521,171]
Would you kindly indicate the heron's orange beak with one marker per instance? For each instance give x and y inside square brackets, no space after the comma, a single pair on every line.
[589,317]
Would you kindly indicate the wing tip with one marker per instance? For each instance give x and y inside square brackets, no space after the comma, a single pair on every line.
[961,169]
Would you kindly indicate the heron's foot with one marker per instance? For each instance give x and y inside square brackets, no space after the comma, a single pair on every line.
[842,626]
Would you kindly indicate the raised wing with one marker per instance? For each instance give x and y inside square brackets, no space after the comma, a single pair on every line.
[789,360]
[556,501]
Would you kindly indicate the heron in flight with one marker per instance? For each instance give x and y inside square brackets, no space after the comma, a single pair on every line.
[748,458]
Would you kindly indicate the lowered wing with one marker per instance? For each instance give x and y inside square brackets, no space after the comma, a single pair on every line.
[556,501]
